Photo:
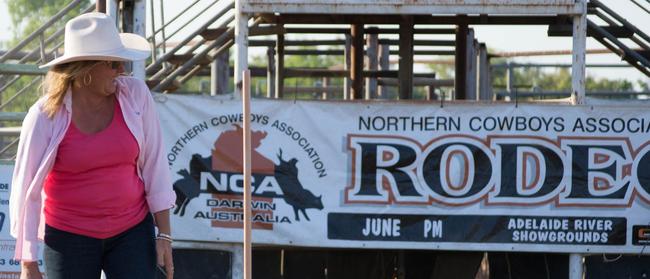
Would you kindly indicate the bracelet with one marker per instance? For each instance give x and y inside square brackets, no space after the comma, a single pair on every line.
[165,237]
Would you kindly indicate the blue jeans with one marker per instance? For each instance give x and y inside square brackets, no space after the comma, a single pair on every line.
[131,254]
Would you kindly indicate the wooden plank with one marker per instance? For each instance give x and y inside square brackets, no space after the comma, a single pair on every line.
[320,90]
[470,70]
[180,59]
[347,82]
[566,30]
[220,74]
[310,72]
[210,34]
[356,69]
[420,42]
[461,61]
[373,63]
[270,73]
[279,66]
[419,81]
[406,59]
[384,65]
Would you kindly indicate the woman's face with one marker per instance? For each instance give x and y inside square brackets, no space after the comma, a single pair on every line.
[103,77]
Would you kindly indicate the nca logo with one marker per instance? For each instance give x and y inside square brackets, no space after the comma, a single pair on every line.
[221,175]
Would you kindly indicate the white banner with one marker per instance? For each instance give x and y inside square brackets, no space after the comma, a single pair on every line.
[9,268]
[413,176]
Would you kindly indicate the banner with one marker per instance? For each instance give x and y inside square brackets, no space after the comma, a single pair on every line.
[9,268]
[413,175]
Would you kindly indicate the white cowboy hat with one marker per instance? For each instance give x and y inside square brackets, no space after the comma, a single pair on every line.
[93,36]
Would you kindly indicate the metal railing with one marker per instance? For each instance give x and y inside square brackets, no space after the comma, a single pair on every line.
[158,69]
[40,54]
[609,40]
[641,6]
[20,63]
[515,90]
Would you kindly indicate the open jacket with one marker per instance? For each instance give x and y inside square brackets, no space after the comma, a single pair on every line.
[39,139]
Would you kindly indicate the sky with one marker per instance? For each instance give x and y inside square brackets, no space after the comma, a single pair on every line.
[502,37]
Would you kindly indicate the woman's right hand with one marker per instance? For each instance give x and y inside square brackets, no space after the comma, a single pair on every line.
[29,270]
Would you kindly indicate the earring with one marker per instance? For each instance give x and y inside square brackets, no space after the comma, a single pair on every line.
[87,79]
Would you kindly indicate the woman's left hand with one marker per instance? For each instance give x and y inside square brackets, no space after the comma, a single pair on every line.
[164,256]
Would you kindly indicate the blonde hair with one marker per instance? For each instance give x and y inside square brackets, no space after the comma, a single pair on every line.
[59,78]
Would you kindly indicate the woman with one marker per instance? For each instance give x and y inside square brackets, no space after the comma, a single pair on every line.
[90,171]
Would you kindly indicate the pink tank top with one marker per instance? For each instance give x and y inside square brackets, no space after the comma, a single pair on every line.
[94,189]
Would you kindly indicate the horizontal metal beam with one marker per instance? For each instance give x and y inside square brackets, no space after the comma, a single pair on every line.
[539,65]
[432,31]
[417,19]
[311,72]
[12,116]
[21,69]
[9,131]
[341,52]
[562,94]
[270,43]
[303,89]
[421,7]
[418,81]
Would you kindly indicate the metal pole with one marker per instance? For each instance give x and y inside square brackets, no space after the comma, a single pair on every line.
[461,61]
[510,80]
[325,84]
[162,29]
[112,9]
[214,77]
[270,72]
[484,74]
[153,31]
[279,66]
[356,70]
[100,6]
[579,48]
[246,102]
[576,268]
[139,25]
[241,47]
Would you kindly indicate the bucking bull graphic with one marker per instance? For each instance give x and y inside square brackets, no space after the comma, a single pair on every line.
[227,157]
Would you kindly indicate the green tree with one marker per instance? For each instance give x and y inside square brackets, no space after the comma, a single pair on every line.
[528,79]
[299,61]
[26,17]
